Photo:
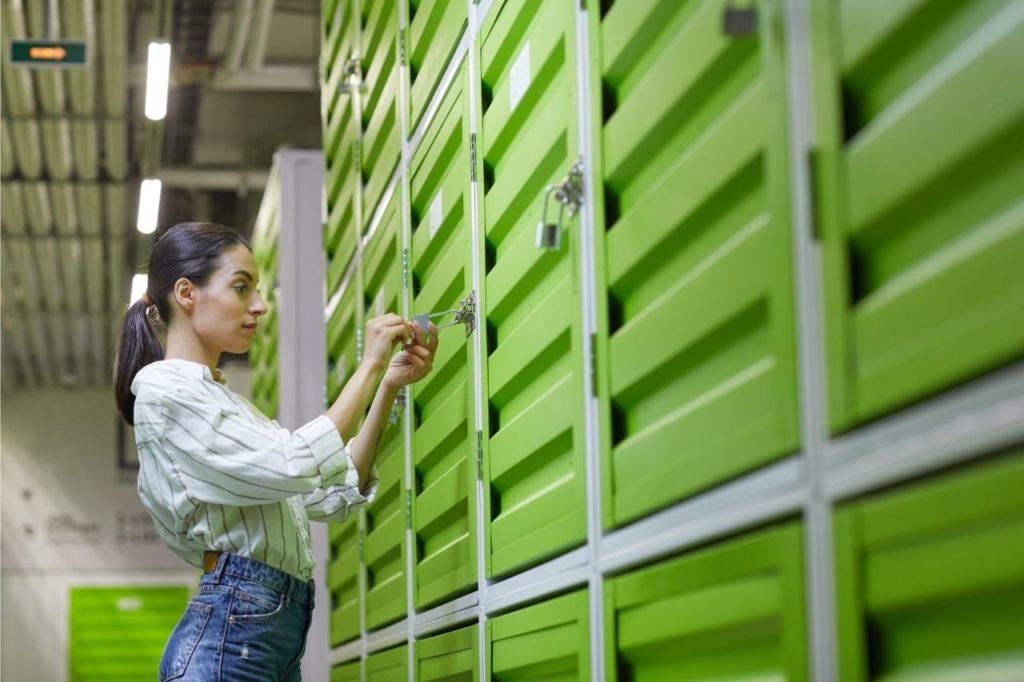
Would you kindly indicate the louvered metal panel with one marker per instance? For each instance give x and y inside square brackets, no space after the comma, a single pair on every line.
[57,149]
[449,657]
[343,580]
[86,144]
[434,28]
[546,641]
[27,147]
[15,222]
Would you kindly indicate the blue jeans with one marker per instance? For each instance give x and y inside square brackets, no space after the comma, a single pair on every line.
[247,623]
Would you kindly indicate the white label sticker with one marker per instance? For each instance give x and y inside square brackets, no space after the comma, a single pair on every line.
[436,215]
[129,604]
[379,303]
[519,78]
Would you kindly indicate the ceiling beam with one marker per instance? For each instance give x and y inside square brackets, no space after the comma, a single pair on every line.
[224,179]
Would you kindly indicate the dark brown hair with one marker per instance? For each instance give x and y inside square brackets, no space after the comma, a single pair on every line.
[189,250]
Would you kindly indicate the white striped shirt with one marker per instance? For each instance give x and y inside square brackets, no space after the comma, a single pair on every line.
[215,474]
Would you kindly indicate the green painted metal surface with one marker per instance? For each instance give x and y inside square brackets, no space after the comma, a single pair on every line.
[382,137]
[918,176]
[696,350]
[342,353]
[119,633]
[548,641]
[449,657]
[341,156]
[930,578]
[347,672]
[732,611]
[343,570]
[434,29]
[388,666]
[444,494]
[384,552]
[338,45]
[533,465]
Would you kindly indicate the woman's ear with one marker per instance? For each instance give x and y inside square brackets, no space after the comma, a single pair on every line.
[184,293]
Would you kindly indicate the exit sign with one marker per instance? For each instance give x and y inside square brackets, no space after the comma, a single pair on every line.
[49,53]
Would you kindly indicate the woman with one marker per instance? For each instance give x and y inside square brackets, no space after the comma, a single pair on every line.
[228,489]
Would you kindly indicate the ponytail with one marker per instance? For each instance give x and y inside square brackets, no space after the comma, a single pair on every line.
[138,347]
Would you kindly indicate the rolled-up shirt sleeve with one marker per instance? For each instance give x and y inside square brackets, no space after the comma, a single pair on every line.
[224,457]
[333,504]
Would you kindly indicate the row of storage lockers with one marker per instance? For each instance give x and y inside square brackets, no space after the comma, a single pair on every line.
[930,579]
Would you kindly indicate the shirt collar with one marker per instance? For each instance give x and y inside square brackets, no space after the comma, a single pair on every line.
[193,369]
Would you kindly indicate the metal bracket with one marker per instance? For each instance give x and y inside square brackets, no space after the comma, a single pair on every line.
[479,455]
[739,22]
[352,75]
[408,509]
[472,157]
[569,195]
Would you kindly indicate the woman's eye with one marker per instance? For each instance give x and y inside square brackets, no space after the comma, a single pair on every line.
[241,288]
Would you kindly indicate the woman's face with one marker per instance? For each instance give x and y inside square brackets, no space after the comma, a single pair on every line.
[227,307]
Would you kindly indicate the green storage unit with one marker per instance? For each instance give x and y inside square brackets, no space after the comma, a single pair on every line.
[444,483]
[547,641]
[384,552]
[534,464]
[696,342]
[381,133]
[449,657]
[347,672]
[341,156]
[434,29]
[732,611]
[342,338]
[930,578]
[119,633]
[343,568]
[388,666]
[339,45]
[382,264]
[918,174]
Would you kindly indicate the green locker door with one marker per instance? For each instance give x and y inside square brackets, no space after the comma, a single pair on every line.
[444,493]
[382,137]
[533,468]
[451,657]
[343,580]
[732,611]
[435,27]
[388,666]
[697,370]
[338,40]
[341,156]
[342,335]
[384,551]
[920,164]
[347,672]
[119,633]
[930,578]
[548,641]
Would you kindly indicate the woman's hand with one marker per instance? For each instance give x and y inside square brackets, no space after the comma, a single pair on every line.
[382,335]
[414,362]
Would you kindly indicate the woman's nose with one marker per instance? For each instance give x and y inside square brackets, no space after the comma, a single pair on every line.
[260,307]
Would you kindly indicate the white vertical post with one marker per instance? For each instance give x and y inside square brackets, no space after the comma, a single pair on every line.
[302,347]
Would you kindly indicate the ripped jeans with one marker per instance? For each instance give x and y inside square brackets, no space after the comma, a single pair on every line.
[247,623]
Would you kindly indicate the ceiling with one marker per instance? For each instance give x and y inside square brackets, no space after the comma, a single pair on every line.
[75,146]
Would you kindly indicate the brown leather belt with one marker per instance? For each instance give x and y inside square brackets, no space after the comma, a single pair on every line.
[210,561]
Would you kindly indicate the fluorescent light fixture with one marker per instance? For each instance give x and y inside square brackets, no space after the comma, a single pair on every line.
[149,206]
[157,79]
[139,284]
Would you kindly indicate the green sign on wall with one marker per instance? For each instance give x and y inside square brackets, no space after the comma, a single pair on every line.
[49,53]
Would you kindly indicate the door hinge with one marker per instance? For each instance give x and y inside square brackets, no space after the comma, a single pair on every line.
[408,509]
[472,157]
[479,455]
[401,47]
[359,346]
[593,365]
[357,155]
[405,268]
[812,194]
